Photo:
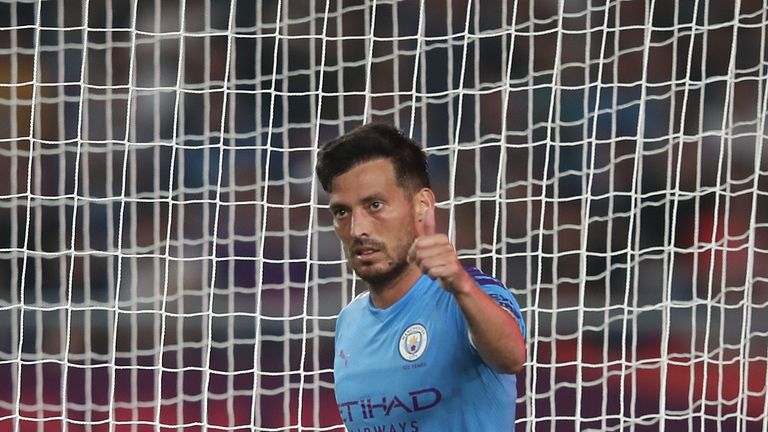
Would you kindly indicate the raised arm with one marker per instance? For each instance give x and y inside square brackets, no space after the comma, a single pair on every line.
[495,332]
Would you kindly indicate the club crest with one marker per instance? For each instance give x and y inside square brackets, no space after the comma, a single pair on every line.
[413,342]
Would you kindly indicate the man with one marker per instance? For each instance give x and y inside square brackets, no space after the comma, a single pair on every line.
[432,345]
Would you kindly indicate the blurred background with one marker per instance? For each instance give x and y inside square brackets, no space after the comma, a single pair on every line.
[167,260]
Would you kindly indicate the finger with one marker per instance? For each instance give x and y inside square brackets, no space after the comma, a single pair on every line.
[434,246]
[412,252]
[428,221]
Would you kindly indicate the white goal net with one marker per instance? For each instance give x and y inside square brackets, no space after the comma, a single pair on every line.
[167,261]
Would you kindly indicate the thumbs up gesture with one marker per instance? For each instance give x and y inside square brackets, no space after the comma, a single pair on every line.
[435,255]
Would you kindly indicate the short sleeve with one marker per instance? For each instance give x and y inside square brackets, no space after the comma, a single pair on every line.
[498,292]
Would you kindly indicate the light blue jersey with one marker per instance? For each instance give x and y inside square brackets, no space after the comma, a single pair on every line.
[411,367]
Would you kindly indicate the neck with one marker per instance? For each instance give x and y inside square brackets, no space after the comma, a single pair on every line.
[385,293]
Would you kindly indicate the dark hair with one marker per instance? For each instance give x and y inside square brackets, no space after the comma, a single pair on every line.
[369,142]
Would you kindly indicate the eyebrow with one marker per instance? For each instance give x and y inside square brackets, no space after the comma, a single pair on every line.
[364,200]
[372,197]
[336,206]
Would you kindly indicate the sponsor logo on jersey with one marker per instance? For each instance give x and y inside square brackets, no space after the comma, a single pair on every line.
[413,342]
[413,426]
[389,406]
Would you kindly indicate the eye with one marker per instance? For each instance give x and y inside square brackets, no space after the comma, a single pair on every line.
[339,212]
[377,205]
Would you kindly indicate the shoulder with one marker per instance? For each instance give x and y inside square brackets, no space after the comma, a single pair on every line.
[483,279]
[354,307]
[494,288]
[498,292]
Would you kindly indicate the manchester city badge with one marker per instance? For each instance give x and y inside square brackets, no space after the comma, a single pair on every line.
[413,342]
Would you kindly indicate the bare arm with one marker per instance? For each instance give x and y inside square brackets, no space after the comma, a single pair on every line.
[495,332]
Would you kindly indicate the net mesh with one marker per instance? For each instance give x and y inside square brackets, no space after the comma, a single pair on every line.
[167,260]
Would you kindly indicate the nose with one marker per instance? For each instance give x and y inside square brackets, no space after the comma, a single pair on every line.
[360,225]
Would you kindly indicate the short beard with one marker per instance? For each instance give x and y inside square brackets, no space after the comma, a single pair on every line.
[379,281]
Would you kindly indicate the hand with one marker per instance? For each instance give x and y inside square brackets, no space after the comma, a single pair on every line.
[435,255]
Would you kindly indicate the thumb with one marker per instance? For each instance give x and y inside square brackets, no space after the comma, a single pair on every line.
[428,221]
[426,227]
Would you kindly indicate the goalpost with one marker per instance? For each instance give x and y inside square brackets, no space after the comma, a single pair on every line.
[167,260]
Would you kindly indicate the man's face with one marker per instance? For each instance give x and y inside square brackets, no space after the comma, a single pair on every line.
[374,218]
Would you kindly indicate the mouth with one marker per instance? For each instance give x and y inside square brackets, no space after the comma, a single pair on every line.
[365,253]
